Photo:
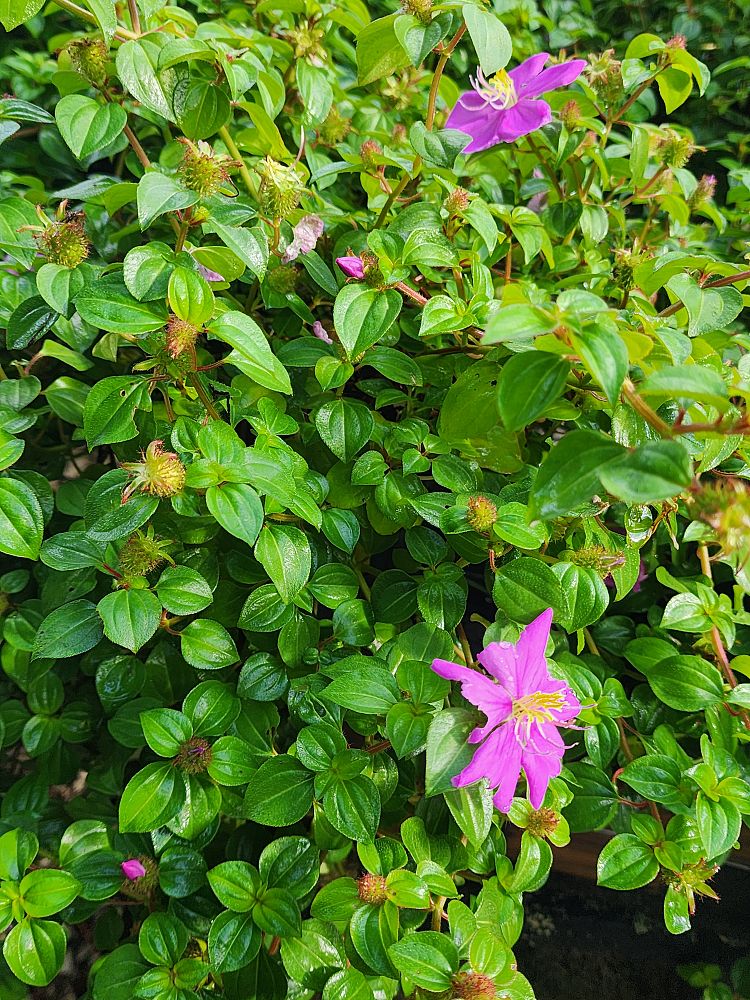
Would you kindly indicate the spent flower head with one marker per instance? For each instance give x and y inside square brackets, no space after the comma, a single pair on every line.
[205,171]
[160,473]
[280,188]
[63,241]
[89,57]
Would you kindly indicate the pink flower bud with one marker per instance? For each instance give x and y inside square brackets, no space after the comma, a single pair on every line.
[320,332]
[132,869]
[351,266]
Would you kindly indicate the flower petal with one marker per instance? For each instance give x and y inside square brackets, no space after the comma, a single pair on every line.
[499,760]
[500,659]
[526,71]
[553,77]
[477,119]
[490,698]
[542,760]
[532,665]
[524,117]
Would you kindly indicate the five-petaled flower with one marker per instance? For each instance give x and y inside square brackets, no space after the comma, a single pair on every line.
[525,708]
[506,106]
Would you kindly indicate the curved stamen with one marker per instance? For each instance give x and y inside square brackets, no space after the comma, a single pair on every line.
[499,92]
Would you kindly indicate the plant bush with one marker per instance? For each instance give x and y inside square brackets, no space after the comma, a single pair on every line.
[301,401]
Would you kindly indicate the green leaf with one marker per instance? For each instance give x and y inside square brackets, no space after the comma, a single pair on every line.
[165,730]
[687,683]
[250,245]
[626,863]
[363,315]
[605,355]
[35,951]
[595,799]
[58,286]
[685,384]
[15,12]
[284,553]
[492,41]
[233,941]
[108,415]
[378,51]
[157,194]
[88,126]
[569,476]
[108,305]
[206,645]
[21,520]
[345,427]
[130,617]
[719,825]
[18,848]
[525,587]
[68,631]
[586,593]
[146,271]
[472,809]
[237,508]
[530,382]
[655,471]
[162,938]
[152,796]
[252,353]
[447,749]
[236,885]
[428,959]
[281,792]
[28,322]
[438,148]
[369,689]
[45,892]
[136,67]
[183,591]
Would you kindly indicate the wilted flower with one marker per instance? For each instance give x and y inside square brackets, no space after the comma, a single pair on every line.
[89,57]
[307,232]
[280,188]
[369,151]
[525,708]
[64,241]
[605,76]
[421,9]
[673,149]
[505,107]
[372,889]
[473,986]
[457,200]
[704,191]
[208,274]
[320,332]
[180,335]
[351,266]
[481,513]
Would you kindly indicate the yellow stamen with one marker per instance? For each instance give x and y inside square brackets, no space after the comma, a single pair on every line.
[537,707]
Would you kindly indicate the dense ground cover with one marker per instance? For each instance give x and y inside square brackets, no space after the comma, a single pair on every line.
[374,491]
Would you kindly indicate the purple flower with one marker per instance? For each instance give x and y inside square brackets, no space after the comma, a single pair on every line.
[504,108]
[307,232]
[351,266]
[208,274]
[132,869]
[525,707]
[320,332]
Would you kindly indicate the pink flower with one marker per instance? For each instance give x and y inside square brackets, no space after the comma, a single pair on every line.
[320,332]
[208,274]
[525,708]
[351,266]
[132,869]
[307,232]
[504,108]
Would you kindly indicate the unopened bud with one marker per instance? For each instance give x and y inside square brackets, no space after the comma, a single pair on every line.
[159,473]
[65,242]
[704,191]
[457,201]
[351,266]
[542,822]
[141,554]
[141,877]
[369,151]
[372,889]
[674,150]
[320,332]
[421,9]
[180,335]
[203,170]
[473,986]
[194,756]
[570,114]
[89,57]
[335,128]
[280,189]
[399,133]
[481,514]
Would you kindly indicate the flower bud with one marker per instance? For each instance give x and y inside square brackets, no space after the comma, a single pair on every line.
[704,191]
[570,114]
[473,986]
[133,869]
[596,557]
[369,151]
[623,270]
[605,76]
[481,514]
[307,43]
[65,242]
[457,201]
[320,332]
[139,886]
[89,57]
[335,128]
[399,133]
[352,267]
[180,335]
[372,889]
[160,473]
[542,822]
[203,170]
[142,554]
[674,150]
[421,9]
[280,189]
[194,756]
